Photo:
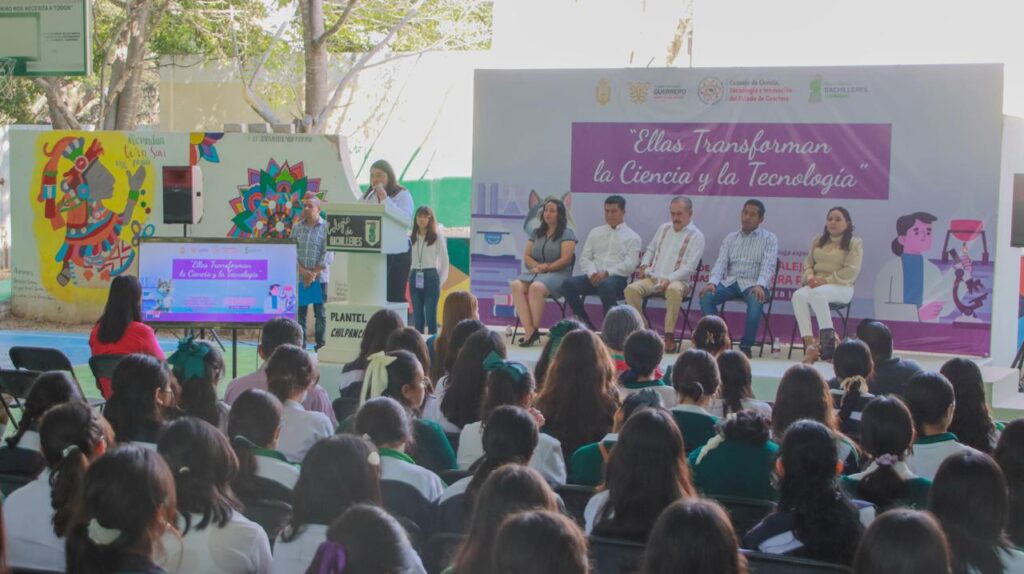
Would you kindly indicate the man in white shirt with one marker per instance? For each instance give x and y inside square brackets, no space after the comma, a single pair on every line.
[609,257]
[743,270]
[668,266]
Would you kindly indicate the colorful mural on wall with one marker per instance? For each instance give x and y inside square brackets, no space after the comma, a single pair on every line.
[271,202]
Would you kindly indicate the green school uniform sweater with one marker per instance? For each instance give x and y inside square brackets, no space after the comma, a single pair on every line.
[736,468]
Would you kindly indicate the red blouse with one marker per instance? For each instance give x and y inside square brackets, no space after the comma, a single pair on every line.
[137,338]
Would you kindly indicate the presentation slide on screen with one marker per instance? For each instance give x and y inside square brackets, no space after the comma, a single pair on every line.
[216,281]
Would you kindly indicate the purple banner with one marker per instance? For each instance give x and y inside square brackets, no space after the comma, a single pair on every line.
[771,160]
[219,269]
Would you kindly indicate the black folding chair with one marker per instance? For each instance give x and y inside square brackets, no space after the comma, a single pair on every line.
[745,513]
[613,556]
[560,301]
[450,477]
[15,384]
[11,482]
[760,563]
[439,551]
[404,499]
[575,497]
[767,336]
[842,310]
[685,305]
[102,367]
[46,359]
[451,515]
[271,515]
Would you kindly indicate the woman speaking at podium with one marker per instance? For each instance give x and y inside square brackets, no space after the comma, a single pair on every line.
[384,189]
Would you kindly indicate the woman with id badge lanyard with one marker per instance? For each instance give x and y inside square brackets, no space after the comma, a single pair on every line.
[429,270]
[384,188]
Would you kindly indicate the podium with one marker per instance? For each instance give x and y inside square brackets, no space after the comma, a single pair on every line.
[367,233]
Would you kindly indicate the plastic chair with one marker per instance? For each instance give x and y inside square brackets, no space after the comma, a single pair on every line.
[685,305]
[767,336]
[15,384]
[760,563]
[404,499]
[271,515]
[613,556]
[439,551]
[575,497]
[842,310]
[745,513]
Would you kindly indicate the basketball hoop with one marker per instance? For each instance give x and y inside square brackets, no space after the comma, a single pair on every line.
[7,86]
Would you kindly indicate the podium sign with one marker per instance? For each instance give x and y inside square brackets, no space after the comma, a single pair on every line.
[353,232]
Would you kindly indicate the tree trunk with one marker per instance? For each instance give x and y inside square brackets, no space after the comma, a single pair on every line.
[126,117]
[315,59]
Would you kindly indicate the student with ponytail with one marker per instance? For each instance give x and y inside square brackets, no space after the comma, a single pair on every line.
[511,383]
[696,380]
[853,367]
[887,432]
[254,426]
[72,436]
[386,423]
[290,375]
[366,540]
[199,367]
[21,453]
[814,518]
[399,375]
[215,537]
[128,503]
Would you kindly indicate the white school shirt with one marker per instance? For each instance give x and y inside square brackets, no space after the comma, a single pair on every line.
[300,430]
[458,487]
[240,547]
[422,479]
[432,407]
[593,509]
[669,396]
[296,556]
[31,441]
[281,472]
[718,407]
[929,452]
[31,542]
[431,256]
[663,252]
[616,251]
[547,458]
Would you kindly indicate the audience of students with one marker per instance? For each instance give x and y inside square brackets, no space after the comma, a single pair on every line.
[142,402]
[853,367]
[21,452]
[695,536]
[739,460]
[386,423]
[198,366]
[619,323]
[712,335]
[555,336]
[972,423]
[511,383]
[540,542]
[803,394]
[1009,454]
[891,372]
[736,393]
[588,462]
[903,541]
[458,305]
[643,351]
[254,426]
[378,328]
[696,381]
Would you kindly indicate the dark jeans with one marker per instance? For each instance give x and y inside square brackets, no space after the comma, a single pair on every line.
[398,275]
[710,302]
[577,287]
[319,322]
[424,301]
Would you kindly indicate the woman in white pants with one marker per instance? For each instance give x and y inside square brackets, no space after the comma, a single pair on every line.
[831,267]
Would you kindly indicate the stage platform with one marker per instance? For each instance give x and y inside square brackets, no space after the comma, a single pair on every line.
[1001,383]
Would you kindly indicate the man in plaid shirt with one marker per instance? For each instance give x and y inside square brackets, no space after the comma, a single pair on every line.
[311,233]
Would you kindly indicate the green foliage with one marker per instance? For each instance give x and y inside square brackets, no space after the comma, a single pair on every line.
[20,107]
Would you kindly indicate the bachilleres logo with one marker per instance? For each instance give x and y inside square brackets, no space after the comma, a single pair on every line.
[710,90]
[603,92]
[821,90]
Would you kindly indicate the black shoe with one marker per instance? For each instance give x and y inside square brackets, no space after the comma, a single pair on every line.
[524,342]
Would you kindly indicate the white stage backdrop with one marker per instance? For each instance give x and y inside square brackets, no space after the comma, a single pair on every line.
[884,142]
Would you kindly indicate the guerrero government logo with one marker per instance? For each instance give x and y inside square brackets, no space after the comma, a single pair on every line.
[603,92]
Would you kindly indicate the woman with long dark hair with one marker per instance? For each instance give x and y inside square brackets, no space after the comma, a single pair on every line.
[464,390]
[903,541]
[555,336]
[737,392]
[215,537]
[432,404]
[804,394]
[21,453]
[127,504]
[647,471]
[548,260]
[429,269]
[814,518]
[694,536]
[830,270]
[411,340]
[887,432]
[579,398]
[338,473]
[508,490]
[120,330]
[384,189]
[972,422]
[540,542]
[1009,454]
[143,399]
[969,498]
[72,435]
[458,305]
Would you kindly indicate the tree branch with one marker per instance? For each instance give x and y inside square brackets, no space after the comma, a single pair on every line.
[321,118]
[317,42]
[250,96]
[57,104]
